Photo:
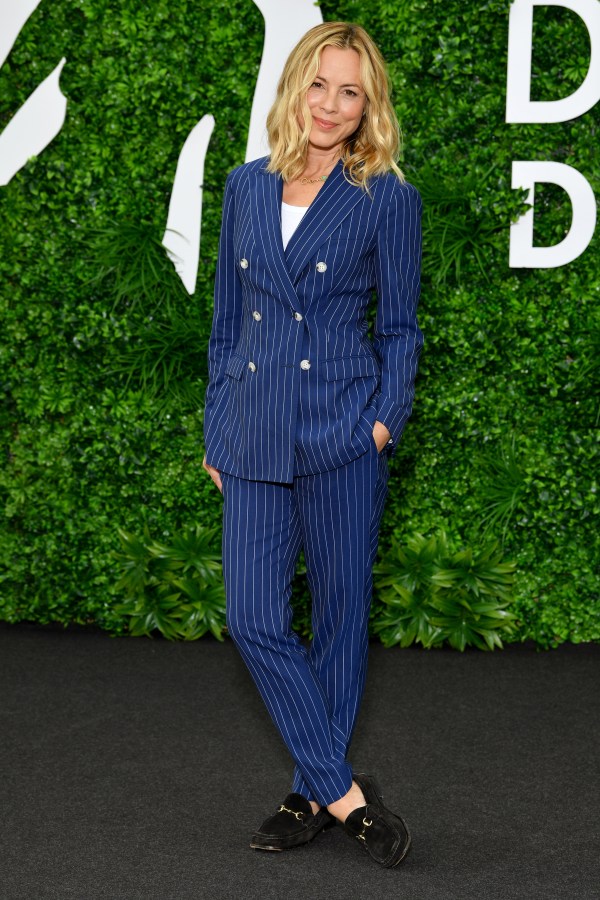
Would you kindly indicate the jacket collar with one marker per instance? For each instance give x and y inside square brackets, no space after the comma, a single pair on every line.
[331,205]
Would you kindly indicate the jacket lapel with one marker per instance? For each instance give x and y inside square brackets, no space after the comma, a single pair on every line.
[331,205]
[265,204]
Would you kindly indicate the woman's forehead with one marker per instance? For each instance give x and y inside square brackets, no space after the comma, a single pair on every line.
[340,65]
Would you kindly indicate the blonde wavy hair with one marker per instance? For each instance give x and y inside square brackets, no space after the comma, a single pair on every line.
[374,147]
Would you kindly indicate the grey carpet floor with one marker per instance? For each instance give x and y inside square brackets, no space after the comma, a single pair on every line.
[136,769]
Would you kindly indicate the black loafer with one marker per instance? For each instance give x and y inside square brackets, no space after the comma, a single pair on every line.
[293,824]
[379,831]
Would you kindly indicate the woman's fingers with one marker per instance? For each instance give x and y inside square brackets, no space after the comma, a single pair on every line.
[214,474]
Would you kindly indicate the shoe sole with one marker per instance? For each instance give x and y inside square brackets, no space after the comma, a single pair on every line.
[264,847]
[406,848]
[276,849]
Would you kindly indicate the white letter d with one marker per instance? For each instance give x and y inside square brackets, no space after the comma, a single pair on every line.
[522,252]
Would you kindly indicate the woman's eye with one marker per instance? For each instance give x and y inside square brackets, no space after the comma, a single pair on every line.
[348,92]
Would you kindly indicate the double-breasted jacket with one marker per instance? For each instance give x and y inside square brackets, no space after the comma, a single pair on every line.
[295,383]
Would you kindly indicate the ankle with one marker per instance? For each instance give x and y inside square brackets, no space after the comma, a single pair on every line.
[314,806]
[342,808]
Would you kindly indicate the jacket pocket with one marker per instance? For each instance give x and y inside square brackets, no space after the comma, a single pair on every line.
[235,366]
[349,367]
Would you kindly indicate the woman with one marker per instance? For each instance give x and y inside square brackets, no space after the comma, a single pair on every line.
[302,411]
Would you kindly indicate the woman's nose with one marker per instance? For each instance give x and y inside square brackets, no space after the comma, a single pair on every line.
[329,103]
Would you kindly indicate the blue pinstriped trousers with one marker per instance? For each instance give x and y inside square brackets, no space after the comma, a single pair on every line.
[312,695]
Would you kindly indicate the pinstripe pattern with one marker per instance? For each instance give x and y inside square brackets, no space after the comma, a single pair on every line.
[295,387]
[266,418]
[313,696]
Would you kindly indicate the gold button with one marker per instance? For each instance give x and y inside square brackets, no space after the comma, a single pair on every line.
[305,364]
[321,267]
[244,263]
[252,366]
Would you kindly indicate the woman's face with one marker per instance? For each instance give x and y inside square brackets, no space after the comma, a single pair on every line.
[336,98]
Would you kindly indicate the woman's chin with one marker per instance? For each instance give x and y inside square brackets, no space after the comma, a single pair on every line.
[320,141]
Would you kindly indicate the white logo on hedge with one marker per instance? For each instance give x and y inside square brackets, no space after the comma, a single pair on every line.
[520,108]
[40,119]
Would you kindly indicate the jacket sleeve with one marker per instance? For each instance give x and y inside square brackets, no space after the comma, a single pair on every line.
[227,314]
[397,338]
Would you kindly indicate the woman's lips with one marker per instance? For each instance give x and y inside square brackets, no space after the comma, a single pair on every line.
[324,124]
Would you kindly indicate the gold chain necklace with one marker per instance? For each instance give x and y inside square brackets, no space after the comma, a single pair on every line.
[307,180]
[313,180]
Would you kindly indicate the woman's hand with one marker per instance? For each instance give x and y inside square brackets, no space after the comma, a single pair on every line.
[214,474]
[380,435]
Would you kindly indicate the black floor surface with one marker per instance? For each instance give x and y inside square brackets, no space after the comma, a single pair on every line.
[136,769]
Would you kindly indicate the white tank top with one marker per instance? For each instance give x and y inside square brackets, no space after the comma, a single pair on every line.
[290,219]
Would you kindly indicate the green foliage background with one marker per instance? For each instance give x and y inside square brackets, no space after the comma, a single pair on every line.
[103,369]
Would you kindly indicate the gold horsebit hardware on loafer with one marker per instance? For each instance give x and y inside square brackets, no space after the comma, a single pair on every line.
[299,815]
[366,823]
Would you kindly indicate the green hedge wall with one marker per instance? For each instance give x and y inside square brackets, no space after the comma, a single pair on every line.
[103,361]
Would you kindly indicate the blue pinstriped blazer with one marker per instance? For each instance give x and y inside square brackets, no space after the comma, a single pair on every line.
[295,384]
